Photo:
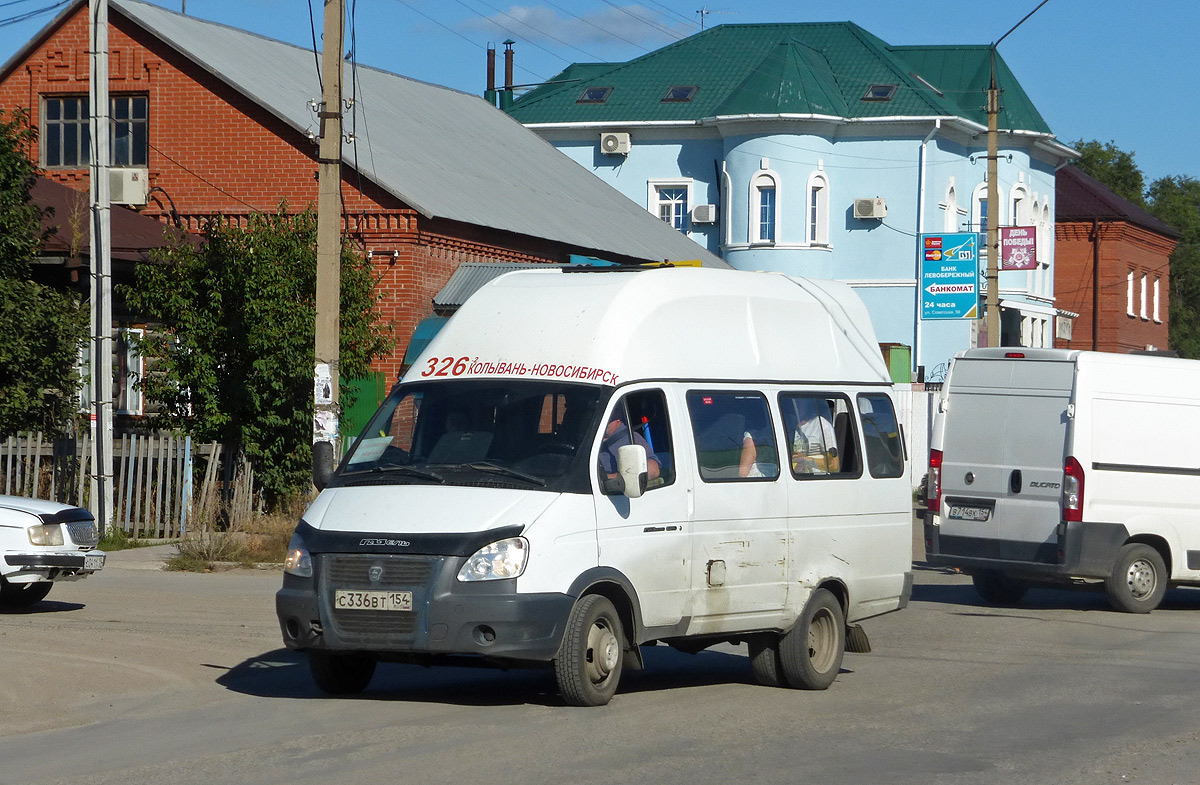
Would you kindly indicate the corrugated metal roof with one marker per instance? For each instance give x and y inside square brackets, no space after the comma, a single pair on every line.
[445,153]
[1081,197]
[470,276]
[822,68]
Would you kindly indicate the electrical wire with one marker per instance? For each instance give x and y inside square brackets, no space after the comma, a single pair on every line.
[12,20]
[312,25]
[536,30]
[201,177]
[514,33]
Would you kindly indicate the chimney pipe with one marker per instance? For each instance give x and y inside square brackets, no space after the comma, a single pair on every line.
[491,68]
[508,64]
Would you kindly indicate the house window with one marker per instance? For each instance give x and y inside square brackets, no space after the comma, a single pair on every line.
[1020,206]
[879,92]
[594,95]
[669,200]
[1156,311]
[1144,316]
[950,223]
[129,370]
[818,209]
[764,207]
[679,94]
[1129,294]
[67,136]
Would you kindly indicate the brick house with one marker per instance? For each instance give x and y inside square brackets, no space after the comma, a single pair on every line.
[210,119]
[1113,258]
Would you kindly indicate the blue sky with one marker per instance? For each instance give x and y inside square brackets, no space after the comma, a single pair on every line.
[1096,69]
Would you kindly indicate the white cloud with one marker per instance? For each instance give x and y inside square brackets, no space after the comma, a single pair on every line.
[608,27]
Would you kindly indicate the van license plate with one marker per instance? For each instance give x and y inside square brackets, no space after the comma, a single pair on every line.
[372,600]
[93,562]
[962,513]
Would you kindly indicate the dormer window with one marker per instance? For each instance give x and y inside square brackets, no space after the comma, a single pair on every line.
[594,95]
[678,94]
[880,92]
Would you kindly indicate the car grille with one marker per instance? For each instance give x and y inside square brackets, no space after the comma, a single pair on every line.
[376,628]
[83,533]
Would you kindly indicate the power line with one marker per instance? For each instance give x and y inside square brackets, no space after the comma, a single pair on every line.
[536,30]
[12,20]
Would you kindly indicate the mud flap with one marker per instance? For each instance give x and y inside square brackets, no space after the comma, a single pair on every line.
[856,639]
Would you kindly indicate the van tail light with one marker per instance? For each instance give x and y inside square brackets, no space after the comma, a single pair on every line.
[1072,492]
[933,487]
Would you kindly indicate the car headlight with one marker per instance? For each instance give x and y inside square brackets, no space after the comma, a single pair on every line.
[499,560]
[298,561]
[46,534]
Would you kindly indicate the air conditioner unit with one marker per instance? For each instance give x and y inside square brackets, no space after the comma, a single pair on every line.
[614,143]
[870,208]
[704,214]
[128,186]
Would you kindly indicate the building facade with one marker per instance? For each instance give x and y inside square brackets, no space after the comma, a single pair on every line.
[1113,268]
[820,150]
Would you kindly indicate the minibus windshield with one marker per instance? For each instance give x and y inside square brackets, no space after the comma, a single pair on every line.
[510,433]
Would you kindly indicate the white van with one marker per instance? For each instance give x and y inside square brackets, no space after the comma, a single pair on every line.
[1068,466]
[582,462]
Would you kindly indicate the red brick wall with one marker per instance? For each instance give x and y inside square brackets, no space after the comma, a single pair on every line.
[213,151]
[1124,247]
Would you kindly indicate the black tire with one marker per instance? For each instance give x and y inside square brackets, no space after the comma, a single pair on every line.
[811,652]
[764,660]
[341,674]
[1139,579]
[22,595]
[589,662]
[997,588]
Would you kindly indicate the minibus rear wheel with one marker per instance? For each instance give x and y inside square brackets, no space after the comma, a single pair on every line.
[1138,580]
[589,662]
[997,588]
[811,652]
[341,674]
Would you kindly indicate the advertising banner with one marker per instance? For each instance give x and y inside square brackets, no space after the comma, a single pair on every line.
[950,276]
[1018,248]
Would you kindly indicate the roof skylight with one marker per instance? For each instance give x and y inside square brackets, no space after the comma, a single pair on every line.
[594,95]
[679,93]
[879,92]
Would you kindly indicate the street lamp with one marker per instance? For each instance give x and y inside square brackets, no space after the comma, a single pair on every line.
[993,191]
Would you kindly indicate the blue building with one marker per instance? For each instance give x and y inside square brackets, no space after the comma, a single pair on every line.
[820,150]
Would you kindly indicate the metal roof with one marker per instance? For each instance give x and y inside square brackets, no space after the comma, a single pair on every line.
[822,68]
[445,153]
[1081,197]
[470,276]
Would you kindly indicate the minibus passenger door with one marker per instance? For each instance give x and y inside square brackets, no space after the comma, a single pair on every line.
[646,538]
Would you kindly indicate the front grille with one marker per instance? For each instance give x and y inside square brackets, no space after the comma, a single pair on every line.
[398,572]
[83,533]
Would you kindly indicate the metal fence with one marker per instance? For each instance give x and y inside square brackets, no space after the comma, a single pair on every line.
[158,478]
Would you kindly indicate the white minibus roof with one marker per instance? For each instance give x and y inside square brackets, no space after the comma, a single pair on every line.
[667,323]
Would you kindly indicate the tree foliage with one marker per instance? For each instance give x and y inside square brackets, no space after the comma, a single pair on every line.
[1176,200]
[234,360]
[1114,167]
[42,330]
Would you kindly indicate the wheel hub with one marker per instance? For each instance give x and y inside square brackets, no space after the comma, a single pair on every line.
[604,653]
[1141,579]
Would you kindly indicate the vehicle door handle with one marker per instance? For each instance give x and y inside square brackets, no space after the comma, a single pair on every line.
[650,529]
[1014,481]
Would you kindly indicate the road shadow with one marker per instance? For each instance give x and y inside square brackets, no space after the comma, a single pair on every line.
[44,606]
[283,673]
[1084,598]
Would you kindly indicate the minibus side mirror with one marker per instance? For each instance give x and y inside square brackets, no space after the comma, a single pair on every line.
[322,467]
[633,469]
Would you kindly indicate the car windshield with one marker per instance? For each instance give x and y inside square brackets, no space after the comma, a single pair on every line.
[480,432]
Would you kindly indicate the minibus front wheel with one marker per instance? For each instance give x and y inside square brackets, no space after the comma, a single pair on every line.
[589,662]
[341,674]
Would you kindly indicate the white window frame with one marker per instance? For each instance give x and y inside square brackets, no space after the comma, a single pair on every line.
[1018,198]
[1157,318]
[726,202]
[129,401]
[763,178]
[654,203]
[816,209]
[950,220]
[1143,299]
[1129,294]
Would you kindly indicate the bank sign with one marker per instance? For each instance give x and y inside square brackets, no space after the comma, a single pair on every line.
[950,276]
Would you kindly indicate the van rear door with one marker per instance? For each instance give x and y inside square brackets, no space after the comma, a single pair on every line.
[1003,449]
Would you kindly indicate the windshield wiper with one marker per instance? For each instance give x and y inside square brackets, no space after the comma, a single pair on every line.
[413,471]
[492,468]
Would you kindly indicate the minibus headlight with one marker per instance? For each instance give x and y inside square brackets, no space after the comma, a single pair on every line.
[499,560]
[298,561]
[47,534]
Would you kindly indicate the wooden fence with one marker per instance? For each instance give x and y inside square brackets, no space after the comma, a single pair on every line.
[158,479]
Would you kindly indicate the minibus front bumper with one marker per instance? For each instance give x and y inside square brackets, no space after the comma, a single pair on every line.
[447,616]
[1077,549]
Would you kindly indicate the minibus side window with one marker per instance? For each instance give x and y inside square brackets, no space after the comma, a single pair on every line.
[881,435]
[640,418]
[821,436]
[735,438]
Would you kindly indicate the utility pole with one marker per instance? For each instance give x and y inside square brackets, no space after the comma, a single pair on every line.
[993,191]
[329,229]
[101,503]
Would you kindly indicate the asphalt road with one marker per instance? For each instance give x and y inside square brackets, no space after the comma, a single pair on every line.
[139,676]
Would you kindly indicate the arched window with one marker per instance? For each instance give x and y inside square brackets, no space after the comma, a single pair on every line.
[817,210]
[1018,197]
[950,220]
[764,207]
